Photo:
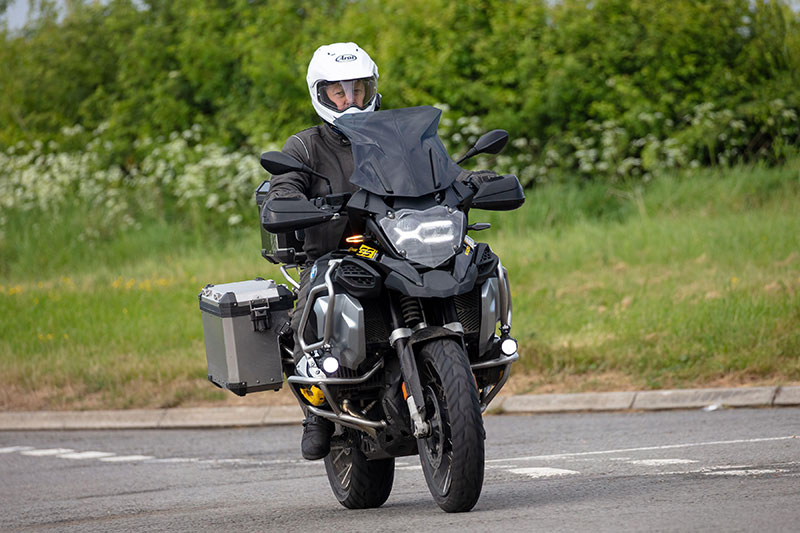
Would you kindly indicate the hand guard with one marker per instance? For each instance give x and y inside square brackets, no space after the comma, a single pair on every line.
[474,179]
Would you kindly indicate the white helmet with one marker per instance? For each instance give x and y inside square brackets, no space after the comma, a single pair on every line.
[342,79]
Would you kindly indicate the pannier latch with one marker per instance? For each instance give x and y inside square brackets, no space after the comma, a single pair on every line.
[259,314]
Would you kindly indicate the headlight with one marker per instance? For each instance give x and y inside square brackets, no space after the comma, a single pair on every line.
[428,237]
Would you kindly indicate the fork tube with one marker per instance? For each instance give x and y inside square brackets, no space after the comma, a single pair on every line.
[405,354]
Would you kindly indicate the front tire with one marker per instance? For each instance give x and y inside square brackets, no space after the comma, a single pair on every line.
[452,456]
[356,482]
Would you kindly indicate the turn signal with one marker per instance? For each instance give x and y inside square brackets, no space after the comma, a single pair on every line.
[355,239]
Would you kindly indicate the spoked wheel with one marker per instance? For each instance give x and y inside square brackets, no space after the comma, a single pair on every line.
[356,482]
[452,456]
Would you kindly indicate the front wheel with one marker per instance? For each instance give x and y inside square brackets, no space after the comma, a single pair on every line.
[452,456]
[356,482]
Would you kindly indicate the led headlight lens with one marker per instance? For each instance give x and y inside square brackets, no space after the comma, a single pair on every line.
[428,237]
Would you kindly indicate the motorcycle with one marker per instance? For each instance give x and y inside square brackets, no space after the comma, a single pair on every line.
[405,333]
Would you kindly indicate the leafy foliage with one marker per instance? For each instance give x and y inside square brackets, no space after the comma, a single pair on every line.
[611,88]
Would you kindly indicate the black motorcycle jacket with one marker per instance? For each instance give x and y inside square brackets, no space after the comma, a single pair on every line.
[328,152]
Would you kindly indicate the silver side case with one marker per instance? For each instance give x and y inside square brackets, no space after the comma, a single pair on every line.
[239,323]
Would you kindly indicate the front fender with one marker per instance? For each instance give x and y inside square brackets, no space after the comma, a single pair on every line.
[432,332]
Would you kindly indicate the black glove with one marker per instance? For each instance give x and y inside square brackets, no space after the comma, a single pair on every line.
[474,179]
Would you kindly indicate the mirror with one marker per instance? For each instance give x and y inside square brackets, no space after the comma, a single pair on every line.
[277,163]
[492,142]
[489,143]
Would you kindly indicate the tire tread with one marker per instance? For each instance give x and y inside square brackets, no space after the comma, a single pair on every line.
[466,425]
[370,482]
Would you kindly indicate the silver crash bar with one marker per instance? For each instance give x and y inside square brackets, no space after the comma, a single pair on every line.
[337,414]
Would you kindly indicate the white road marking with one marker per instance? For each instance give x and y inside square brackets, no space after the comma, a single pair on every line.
[13,449]
[727,469]
[227,461]
[746,472]
[48,451]
[85,455]
[278,462]
[543,472]
[506,464]
[126,458]
[69,453]
[198,460]
[642,449]
[660,462]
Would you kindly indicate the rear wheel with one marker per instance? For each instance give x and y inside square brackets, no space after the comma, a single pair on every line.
[356,482]
[452,456]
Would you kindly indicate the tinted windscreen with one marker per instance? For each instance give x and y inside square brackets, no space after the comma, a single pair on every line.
[398,152]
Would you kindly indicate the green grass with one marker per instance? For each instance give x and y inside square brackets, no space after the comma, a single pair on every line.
[690,280]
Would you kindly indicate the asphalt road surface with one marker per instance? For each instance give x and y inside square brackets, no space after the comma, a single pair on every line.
[731,470]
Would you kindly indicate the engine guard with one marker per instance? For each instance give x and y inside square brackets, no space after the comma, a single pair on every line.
[336,413]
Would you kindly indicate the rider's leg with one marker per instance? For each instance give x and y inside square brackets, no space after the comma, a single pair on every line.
[302,296]
[317,431]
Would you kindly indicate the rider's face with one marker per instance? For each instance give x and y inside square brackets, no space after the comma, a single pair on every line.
[344,99]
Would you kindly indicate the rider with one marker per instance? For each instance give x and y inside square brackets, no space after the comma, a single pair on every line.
[342,79]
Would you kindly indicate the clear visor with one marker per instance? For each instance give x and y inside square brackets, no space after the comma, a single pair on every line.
[341,95]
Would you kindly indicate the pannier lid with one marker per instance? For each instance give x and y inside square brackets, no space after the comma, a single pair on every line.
[235,299]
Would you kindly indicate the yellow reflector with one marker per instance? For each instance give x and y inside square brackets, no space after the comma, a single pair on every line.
[314,395]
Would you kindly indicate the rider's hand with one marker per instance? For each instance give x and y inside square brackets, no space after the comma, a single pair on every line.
[477,177]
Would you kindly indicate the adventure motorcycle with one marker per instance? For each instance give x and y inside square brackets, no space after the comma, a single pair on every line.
[406,333]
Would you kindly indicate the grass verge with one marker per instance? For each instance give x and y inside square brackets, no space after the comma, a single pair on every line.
[690,280]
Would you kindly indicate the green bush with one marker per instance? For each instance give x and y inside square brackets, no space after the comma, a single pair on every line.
[613,89]
[182,176]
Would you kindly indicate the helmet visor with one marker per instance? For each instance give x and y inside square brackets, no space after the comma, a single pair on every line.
[341,95]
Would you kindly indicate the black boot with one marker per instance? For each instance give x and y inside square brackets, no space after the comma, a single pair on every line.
[316,442]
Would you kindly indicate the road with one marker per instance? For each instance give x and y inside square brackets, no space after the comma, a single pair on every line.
[733,470]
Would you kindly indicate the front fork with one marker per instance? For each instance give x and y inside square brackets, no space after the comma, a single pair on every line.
[399,339]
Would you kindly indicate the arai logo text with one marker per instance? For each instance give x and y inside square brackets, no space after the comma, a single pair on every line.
[346,58]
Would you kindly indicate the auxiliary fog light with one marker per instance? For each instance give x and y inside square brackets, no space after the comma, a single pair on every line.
[508,346]
[330,365]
